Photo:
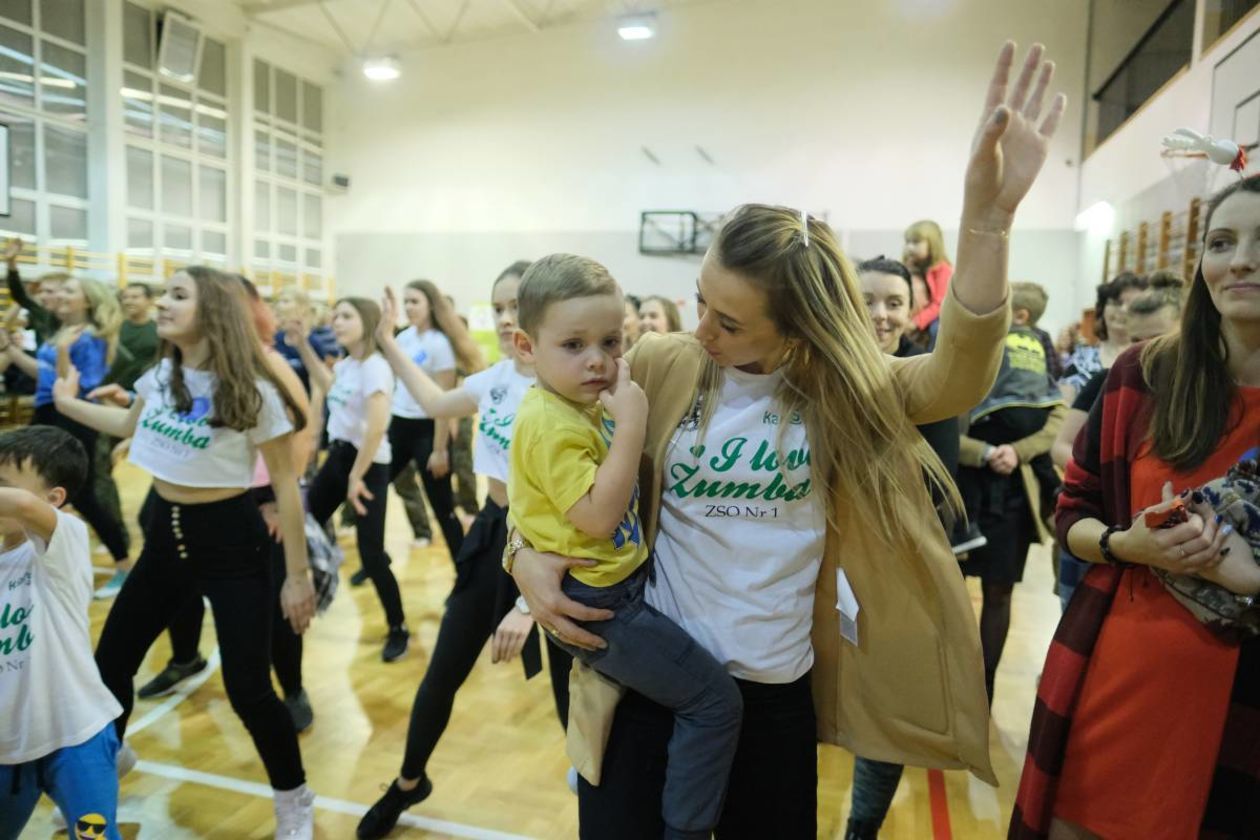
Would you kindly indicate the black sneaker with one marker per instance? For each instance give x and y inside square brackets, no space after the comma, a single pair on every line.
[967,539]
[396,644]
[359,578]
[299,706]
[172,675]
[381,818]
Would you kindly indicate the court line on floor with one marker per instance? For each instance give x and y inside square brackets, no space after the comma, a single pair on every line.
[327,803]
[940,806]
[186,688]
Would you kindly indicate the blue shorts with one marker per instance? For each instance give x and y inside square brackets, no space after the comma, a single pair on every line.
[82,780]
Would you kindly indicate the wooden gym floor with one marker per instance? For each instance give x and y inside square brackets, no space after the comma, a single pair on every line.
[499,771]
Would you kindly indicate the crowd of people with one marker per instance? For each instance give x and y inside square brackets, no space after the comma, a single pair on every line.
[736,542]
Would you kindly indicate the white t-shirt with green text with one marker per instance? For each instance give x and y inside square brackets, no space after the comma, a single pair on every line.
[51,695]
[184,448]
[498,390]
[741,534]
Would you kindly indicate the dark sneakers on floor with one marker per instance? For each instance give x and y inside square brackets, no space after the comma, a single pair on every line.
[172,675]
[396,644]
[299,706]
[359,578]
[381,818]
[967,539]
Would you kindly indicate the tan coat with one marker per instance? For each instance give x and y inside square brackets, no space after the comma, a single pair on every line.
[912,691]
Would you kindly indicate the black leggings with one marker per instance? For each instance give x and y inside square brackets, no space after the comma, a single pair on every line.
[327,492]
[286,646]
[412,440]
[482,596]
[773,790]
[106,525]
[219,549]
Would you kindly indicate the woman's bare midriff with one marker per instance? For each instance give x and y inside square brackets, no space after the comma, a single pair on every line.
[497,491]
[181,495]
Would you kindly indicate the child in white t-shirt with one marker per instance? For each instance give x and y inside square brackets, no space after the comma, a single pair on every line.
[58,734]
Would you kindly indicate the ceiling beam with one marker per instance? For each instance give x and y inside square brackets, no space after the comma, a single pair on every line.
[259,7]
[459,18]
[336,27]
[530,24]
[428,24]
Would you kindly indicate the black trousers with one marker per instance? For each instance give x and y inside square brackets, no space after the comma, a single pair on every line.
[219,549]
[412,441]
[106,524]
[482,596]
[774,780]
[286,646]
[326,493]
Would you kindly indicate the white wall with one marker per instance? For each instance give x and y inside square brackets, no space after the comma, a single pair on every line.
[486,152]
[1128,169]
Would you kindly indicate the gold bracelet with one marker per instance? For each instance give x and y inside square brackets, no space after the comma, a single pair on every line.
[1004,234]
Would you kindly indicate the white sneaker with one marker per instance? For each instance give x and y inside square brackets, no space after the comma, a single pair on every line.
[58,819]
[572,778]
[295,814]
[421,542]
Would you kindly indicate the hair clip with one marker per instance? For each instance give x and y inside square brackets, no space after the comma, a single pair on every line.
[1221,152]
[805,227]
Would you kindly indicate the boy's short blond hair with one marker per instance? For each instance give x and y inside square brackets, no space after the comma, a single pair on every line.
[1030,297]
[558,277]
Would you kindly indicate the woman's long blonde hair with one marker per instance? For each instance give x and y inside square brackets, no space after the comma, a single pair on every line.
[104,313]
[835,376]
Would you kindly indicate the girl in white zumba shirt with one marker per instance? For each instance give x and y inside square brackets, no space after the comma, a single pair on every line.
[356,470]
[199,420]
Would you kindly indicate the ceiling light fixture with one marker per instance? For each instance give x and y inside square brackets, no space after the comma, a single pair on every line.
[383,69]
[637,27]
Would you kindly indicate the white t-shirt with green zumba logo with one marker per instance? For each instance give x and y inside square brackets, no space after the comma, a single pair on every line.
[354,380]
[183,448]
[51,695]
[498,390]
[741,534]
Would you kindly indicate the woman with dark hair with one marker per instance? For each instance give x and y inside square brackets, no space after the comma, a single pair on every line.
[200,419]
[1147,722]
[436,340]
[484,597]
[356,470]
[889,295]
[1110,328]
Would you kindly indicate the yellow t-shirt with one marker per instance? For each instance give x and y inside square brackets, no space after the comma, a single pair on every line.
[556,448]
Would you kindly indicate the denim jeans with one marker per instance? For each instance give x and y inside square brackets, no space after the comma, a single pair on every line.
[874,785]
[650,654]
[1071,573]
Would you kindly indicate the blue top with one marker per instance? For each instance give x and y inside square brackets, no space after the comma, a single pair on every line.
[87,354]
[321,341]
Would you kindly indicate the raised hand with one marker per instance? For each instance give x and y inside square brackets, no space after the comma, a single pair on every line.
[12,250]
[389,317]
[1012,140]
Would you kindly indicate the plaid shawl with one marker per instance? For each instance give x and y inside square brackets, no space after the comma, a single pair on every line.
[1097,486]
